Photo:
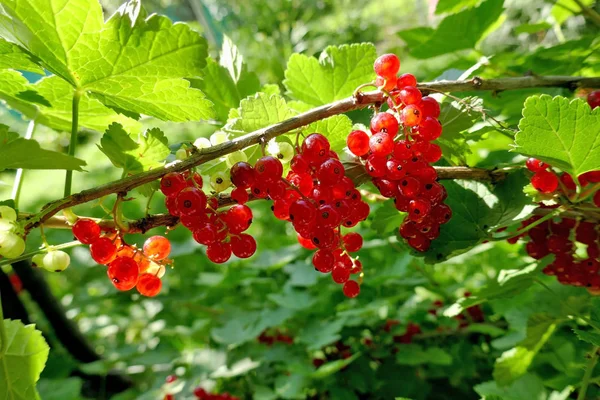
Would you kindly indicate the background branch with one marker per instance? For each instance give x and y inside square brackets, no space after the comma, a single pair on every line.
[360,100]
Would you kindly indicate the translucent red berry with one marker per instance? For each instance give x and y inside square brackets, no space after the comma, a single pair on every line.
[545,181]
[149,285]
[323,260]
[86,230]
[411,115]
[268,169]
[535,165]
[191,201]
[123,273]
[351,289]
[381,144]
[239,195]
[172,183]
[340,274]
[387,65]
[103,250]
[218,252]
[352,242]
[410,95]
[429,107]
[238,218]
[593,99]
[157,247]
[242,175]
[387,83]
[243,246]
[384,122]
[302,212]
[331,171]
[206,235]
[406,80]
[430,128]
[315,148]
[358,143]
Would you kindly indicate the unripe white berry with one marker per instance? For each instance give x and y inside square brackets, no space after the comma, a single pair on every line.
[234,158]
[11,245]
[218,137]
[281,150]
[6,225]
[202,143]
[56,261]
[38,260]
[8,213]
[220,181]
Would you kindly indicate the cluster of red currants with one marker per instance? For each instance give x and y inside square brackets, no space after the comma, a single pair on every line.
[546,181]
[128,267]
[221,231]
[276,337]
[399,151]
[559,237]
[318,199]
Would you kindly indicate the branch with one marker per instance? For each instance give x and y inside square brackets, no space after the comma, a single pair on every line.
[361,100]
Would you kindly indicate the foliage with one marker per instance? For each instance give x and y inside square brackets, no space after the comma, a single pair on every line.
[147,87]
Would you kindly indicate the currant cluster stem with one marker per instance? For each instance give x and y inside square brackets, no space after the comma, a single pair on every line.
[73,141]
[360,100]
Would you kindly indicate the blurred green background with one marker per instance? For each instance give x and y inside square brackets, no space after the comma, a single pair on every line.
[203,325]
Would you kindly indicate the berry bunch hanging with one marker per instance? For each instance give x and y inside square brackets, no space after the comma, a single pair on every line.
[318,199]
[128,267]
[398,152]
[221,231]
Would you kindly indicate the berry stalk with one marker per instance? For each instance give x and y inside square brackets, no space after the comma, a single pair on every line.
[73,141]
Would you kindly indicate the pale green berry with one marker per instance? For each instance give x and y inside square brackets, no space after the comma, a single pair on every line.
[181,154]
[234,158]
[281,150]
[56,261]
[8,213]
[11,245]
[218,137]
[6,225]
[220,181]
[202,143]
[38,260]
[156,269]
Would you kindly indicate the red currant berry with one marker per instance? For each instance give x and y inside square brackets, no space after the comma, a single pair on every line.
[238,218]
[324,238]
[123,272]
[149,285]
[351,289]
[299,164]
[395,169]
[242,175]
[387,65]
[243,246]
[330,172]
[340,274]
[430,129]
[306,243]
[206,235]
[406,80]
[418,209]
[277,190]
[191,201]
[410,95]
[103,250]
[381,145]
[315,148]
[535,165]
[376,166]
[358,143]
[429,107]
[171,378]
[323,260]
[86,230]
[327,216]
[441,214]
[409,187]
[593,99]
[544,181]
[172,183]
[268,169]
[240,195]
[411,115]
[157,247]
[386,123]
[387,188]
[302,212]
[388,83]
[352,242]
[419,243]
[218,252]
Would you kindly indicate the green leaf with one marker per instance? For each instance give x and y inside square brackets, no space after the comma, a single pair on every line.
[219,87]
[414,354]
[477,209]
[290,387]
[564,133]
[292,299]
[515,362]
[527,387]
[317,334]
[11,56]
[588,336]
[49,102]
[564,9]
[259,111]
[532,28]
[60,389]
[137,153]
[386,218]
[23,362]
[452,6]
[245,326]
[456,118]
[129,63]
[17,152]
[335,75]
[332,367]
[456,32]
[335,128]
